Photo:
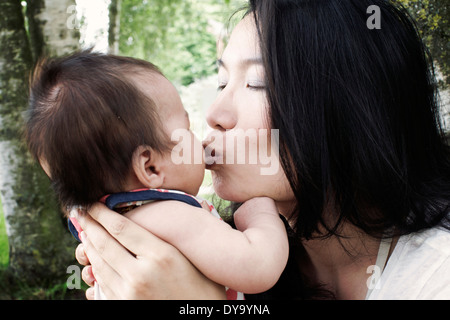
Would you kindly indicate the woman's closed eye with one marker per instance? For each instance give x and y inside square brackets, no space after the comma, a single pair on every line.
[256,85]
[221,86]
[252,85]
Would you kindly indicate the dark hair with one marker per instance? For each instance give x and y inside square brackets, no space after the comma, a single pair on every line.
[358,116]
[359,126]
[86,117]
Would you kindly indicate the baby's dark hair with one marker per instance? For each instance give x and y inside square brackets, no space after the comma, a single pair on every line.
[86,117]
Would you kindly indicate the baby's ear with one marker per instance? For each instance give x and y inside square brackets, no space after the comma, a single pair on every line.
[147,165]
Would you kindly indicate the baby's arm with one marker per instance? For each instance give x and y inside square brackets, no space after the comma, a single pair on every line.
[250,260]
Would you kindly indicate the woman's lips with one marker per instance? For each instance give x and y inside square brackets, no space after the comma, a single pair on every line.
[212,155]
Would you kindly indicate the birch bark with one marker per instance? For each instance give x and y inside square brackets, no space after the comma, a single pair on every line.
[40,247]
[114,26]
[53,27]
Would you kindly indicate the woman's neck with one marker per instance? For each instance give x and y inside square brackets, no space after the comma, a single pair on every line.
[285,208]
[341,264]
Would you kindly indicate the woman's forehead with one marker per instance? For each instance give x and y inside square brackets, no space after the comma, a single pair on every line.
[243,44]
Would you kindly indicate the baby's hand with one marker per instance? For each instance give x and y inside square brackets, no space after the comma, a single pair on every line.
[253,209]
[258,204]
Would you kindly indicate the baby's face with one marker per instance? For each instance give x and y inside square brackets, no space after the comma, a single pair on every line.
[185,175]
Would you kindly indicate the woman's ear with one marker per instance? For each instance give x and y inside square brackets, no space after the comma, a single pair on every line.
[147,165]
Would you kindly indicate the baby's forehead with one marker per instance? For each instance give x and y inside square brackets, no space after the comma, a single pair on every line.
[151,83]
[158,88]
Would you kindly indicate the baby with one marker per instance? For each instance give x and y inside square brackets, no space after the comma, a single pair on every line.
[100,127]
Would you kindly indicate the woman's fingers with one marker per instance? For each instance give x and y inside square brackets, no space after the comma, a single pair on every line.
[88,276]
[118,248]
[100,270]
[130,235]
[128,262]
[105,255]
[90,293]
[105,245]
[81,256]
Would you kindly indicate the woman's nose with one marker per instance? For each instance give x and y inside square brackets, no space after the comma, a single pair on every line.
[222,115]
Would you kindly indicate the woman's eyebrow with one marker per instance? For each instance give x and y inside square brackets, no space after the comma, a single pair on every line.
[244,62]
[221,64]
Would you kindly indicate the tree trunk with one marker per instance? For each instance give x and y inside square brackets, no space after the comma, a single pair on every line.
[40,247]
[53,28]
[114,26]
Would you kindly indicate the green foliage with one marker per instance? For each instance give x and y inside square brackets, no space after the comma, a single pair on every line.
[15,288]
[175,35]
[4,245]
[433,20]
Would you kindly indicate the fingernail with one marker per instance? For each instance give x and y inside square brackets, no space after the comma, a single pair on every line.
[76,224]
[77,212]
[83,236]
[91,273]
[73,212]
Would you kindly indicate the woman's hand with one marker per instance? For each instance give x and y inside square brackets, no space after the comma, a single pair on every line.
[128,262]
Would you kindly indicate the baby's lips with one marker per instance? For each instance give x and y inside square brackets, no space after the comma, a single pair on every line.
[213,137]
[206,142]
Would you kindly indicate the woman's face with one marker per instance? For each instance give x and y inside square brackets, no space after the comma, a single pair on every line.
[240,125]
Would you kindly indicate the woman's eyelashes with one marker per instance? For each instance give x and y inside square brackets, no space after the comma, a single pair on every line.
[256,85]
[249,85]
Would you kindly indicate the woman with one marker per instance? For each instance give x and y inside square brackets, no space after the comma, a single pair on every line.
[365,181]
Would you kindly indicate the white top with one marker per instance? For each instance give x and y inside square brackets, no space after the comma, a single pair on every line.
[418,268]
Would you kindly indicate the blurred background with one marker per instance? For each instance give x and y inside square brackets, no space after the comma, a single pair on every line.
[181,37]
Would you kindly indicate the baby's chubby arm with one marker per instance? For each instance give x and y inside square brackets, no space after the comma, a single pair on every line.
[249,259]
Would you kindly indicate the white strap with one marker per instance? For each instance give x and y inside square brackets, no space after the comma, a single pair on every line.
[382,257]
[383,252]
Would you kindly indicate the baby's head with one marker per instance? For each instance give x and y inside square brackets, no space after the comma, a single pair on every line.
[101,124]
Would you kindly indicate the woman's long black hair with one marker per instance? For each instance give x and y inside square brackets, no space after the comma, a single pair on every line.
[357,114]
